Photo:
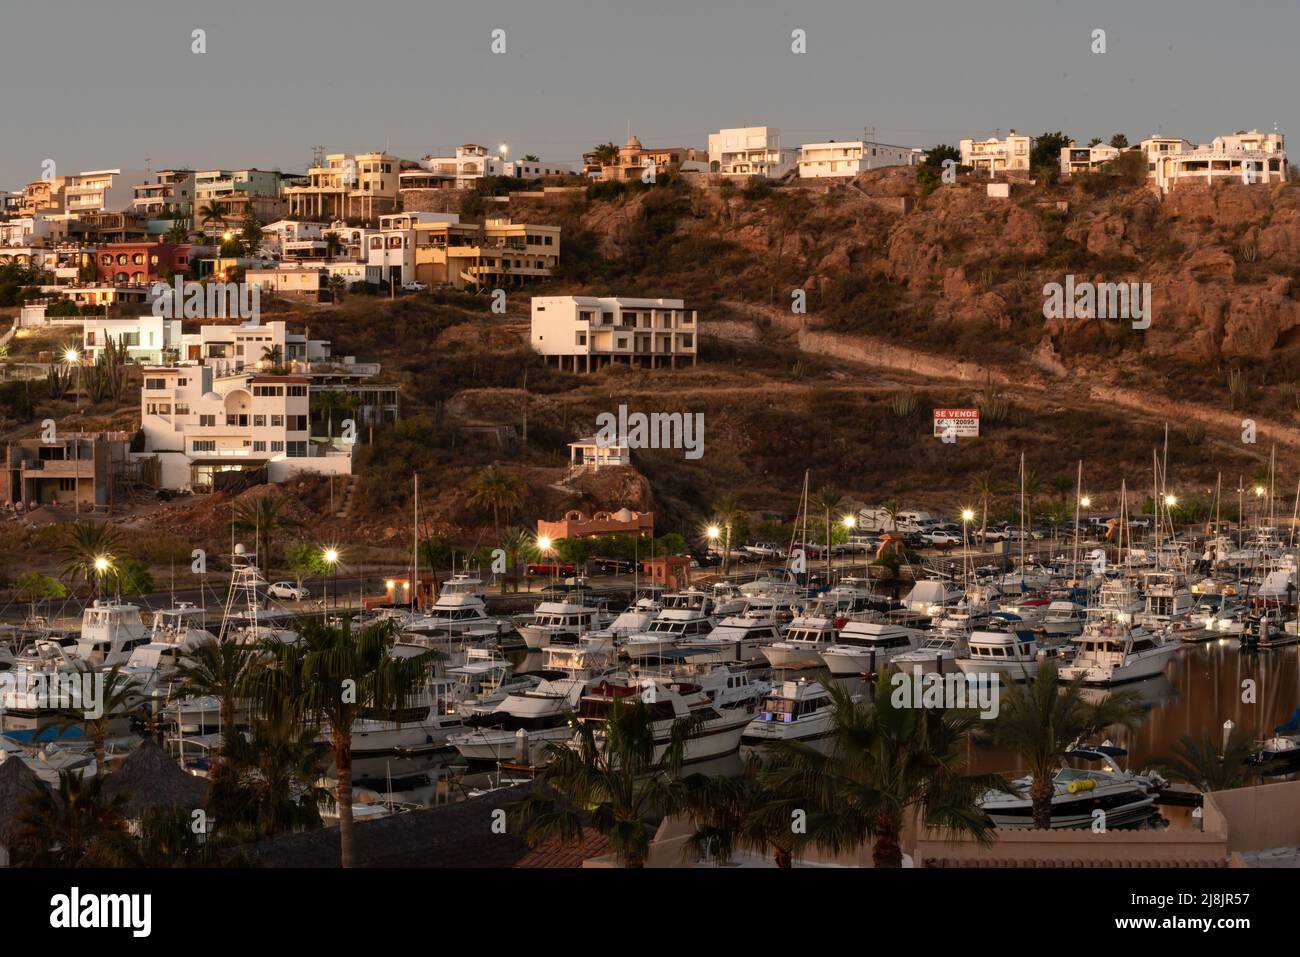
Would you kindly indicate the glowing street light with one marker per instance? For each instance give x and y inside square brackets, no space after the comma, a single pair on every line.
[71,356]
[102,564]
[544,543]
[1259,491]
[849,521]
[1085,502]
[331,556]
[1171,501]
[967,515]
[713,532]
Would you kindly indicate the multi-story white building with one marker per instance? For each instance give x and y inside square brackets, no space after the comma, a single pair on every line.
[391,253]
[172,191]
[99,191]
[1253,158]
[227,347]
[583,333]
[1083,159]
[750,151]
[997,155]
[822,160]
[199,426]
[471,162]
[145,339]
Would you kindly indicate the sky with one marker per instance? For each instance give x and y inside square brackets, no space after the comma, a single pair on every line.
[94,84]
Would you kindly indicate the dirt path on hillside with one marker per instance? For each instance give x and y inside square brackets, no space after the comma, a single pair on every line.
[1146,407]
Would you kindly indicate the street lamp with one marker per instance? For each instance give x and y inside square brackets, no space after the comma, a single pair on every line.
[71,356]
[102,565]
[331,556]
[1085,502]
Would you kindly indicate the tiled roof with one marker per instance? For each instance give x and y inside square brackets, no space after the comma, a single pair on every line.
[554,853]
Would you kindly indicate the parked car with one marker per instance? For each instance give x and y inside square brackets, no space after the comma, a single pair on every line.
[611,566]
[414,286]
[939,537]
[548,568]
[287,591]
[765,550]
[706,559]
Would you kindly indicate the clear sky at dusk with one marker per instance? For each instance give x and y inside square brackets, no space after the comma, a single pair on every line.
[95,84]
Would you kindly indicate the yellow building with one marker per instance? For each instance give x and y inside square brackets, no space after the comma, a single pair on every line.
[498,251]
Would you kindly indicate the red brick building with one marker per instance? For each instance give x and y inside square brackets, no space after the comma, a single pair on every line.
[140,262]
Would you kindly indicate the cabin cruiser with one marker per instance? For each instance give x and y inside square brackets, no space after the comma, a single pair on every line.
[637,617]
[592,654]
[1168,599]
[484,681]
[1111,649]
[459,609]
[865,647]
[800,710]
[174,632]
[931,598]
[715,731]
[1030,611]
[43,682]
[728,599]
[560,622]
[1014,654]
[1077,795]
[773,583]
[1064,618]
[423,724]
[685,615]
[740,637]
[542,713]
[110,631]
[1218,616]
[725,686]
[943,644]
[804,641]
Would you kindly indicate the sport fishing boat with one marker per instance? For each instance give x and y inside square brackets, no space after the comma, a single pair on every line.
[942,645]
[685,615]
[1014,654]
[865,647]
[637,617]
[110,631]
[1112,650]
[1064,619]
[1168,599]
[484,681]
[800,710]
[715,731]
[1077,795]
[592,654]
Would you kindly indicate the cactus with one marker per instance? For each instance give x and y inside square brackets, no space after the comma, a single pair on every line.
[1238,389]
[904,403]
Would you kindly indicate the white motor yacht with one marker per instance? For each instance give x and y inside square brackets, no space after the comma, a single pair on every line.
[1078,795]
[110,631]
[1013,654]
[1112,649]
[865,647]
[716,731]
[800,710]
[560,622]
[543,714]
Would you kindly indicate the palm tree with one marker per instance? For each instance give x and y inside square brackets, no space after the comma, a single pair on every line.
[276,769]
[60,827]
[264,516]
[606,154]
[611,774]
[339,676]
[727,513]
[212,213]
[178,232]
[336,285]
[1040,723]
[516,542]
[826,499]
[891,510]
[273,356]
[166,838]
[328,402]
[119,693]
[884,761]
[333,243]
[985,486]
[497,489]
[217,669]
[1202,765]
[90,552]
[741,814]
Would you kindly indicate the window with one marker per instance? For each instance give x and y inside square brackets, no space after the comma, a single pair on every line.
[259,445]
[259,421]
[297,423]
[277,421]
[297,450]
[155,384]
[207,420]
[277,446]
[203,445]
[297,390]
[67,485]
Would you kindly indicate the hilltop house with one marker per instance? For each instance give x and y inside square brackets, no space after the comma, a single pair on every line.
[998,155]
[591,332]
[750,151]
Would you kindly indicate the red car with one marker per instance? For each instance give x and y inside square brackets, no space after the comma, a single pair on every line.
[549,568]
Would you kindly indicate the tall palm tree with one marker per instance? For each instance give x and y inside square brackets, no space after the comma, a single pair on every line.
[178,232]
[1205,766]
[891,510]
[826,499]
[883,761]
[984,486]
[339,676]
[727,513]
[606,154]
[741,814]
[610,773]
[328,401]
[336,285]
[90,552]
[60,827]
[497,489]
[265,517]
[333,244]
[119,694]
[517,542]
[1040,723]
[216,669]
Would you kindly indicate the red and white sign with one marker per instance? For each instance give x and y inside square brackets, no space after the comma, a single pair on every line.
[959,423]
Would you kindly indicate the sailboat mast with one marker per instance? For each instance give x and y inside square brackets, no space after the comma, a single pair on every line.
[415,541]
[1078,503]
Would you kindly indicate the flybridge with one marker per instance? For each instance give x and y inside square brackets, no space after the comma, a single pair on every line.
[214,300]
